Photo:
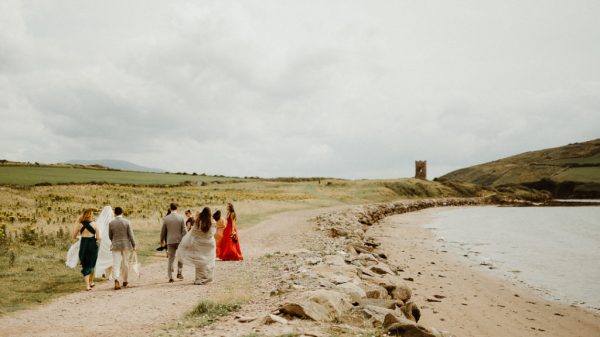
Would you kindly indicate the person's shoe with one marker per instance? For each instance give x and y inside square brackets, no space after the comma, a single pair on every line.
[179,276]
[125,284]
[92,285]
[171,280]
[117,285]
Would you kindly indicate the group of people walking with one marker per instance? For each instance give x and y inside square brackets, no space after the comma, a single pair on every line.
[197,240]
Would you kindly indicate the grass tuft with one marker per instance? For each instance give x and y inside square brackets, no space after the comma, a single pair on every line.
[212,310]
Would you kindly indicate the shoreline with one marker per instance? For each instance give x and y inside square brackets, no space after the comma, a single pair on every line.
[466,300]
[499,265]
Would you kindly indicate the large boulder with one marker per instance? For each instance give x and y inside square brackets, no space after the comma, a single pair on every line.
[376,291]
[381,269]
[395,318]
[335,260]
[397,288]
[407,330]
[377,314]
[352,289]
[340,279]
[401,292]
[388,304]
[411,311]
[319,305]
[366,257]
[396,325]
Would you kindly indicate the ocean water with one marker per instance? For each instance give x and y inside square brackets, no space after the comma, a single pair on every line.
[554,250]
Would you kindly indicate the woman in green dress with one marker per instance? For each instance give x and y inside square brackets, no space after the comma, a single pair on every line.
[88,249]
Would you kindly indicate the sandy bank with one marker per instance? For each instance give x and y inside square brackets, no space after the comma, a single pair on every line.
[462,298]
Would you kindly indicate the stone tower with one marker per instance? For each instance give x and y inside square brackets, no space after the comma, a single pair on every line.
[421,169]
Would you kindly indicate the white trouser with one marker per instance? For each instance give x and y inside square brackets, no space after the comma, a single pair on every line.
[121,264]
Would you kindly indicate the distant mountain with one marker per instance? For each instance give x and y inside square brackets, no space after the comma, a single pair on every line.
[116,164]
[570,171]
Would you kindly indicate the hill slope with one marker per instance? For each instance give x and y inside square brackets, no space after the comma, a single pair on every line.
[571,171]
[116,164]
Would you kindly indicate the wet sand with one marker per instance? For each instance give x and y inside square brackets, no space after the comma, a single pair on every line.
[461,297]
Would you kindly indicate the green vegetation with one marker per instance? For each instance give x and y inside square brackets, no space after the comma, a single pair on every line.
[36,221]
[571,171]
[203,314]
[206,312]
[32,265]
[23,175]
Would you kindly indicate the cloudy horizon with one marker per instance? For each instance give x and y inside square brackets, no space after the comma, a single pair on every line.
[346,89]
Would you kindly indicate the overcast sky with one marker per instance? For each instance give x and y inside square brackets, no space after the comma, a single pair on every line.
[352,89]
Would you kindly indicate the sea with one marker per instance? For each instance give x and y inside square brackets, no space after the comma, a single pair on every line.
[553,250]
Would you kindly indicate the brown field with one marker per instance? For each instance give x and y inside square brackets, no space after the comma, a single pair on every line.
[36,221]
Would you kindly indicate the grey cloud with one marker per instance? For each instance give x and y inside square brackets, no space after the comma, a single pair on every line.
[340,88]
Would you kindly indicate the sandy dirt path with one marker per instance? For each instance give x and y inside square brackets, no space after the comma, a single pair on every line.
[472,302]
[151,302]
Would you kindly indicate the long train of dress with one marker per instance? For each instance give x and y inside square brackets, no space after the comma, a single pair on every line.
[197,248]
[104,260]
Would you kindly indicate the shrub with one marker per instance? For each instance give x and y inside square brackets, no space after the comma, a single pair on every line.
[29,235]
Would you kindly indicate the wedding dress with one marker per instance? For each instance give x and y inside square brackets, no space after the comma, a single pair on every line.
[104,260]
[197,248]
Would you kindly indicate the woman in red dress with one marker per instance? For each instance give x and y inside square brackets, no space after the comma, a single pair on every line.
[229,246]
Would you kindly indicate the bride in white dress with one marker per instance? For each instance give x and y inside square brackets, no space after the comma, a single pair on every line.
[197,247]
[104,260]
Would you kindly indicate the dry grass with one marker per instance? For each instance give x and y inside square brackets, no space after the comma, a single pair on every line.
[43,211]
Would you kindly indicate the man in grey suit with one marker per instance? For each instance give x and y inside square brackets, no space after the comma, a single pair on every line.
[121,237]
[173,230]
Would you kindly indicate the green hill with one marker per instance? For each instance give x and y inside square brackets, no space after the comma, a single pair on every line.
[26,174]
[571,171]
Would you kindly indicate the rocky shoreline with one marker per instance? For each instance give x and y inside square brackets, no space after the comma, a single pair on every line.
[342,277]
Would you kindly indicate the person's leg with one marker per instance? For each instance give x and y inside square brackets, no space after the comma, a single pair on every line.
[92,284]
[86,280]
[117,259]
[179,269]
[125,266]
[171,249]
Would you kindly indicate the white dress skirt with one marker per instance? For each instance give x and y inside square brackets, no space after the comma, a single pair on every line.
[198,249]
[104,260]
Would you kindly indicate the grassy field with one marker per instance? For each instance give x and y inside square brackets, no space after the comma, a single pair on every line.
[578,162]
[35,221]
[32,175]
[580,174]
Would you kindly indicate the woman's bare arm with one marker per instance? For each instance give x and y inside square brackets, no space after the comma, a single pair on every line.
[76,231]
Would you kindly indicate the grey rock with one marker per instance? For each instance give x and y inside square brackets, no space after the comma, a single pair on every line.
[270,319]
[401,292]
[377,314]
[411,311]
[378,302]
[335,260]
[339,279]
[366,256]
[319,305]
[377,292]
[382,268]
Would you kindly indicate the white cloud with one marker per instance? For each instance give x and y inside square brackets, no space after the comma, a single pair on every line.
[341,88]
